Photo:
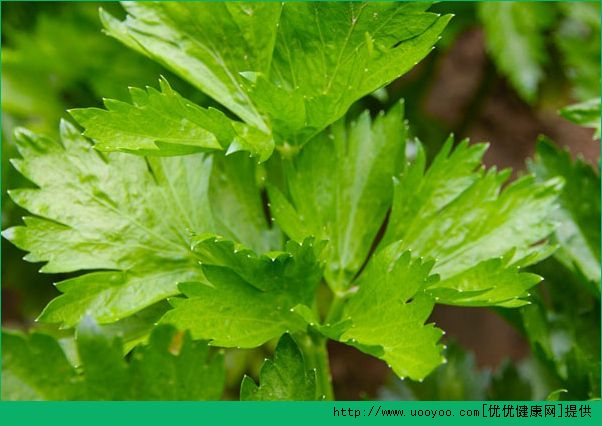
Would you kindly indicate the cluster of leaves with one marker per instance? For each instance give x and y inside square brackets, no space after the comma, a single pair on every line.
[168,208]
[171,366]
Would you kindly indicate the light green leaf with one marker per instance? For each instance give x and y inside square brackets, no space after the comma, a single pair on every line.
[456,213]
[516,40]
[578,233]
[82,192]
[586,114]
[340,189]
[127,217]
[389,311]
[490,282]
[208,44]
[164,123]
[171,367]
[286,378]
[287,70]
[100,212]
[328,55]
[457,380]
[249,299]
[112,295]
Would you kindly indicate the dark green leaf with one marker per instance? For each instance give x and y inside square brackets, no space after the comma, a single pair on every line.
[286,378]
[250,298]
[508,385]
[578,40]
[516,40]
[578,234]
[171,367]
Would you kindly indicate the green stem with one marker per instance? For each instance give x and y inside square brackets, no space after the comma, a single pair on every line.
[316,356]
[313,345]
[336,307]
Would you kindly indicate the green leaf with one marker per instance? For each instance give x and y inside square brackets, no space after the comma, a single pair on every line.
[480,235]
[493,282]
[286,378]
[266,272]
[236,203]
[457,380]
[516,40]
[328,55]
[171,367]
[88,221]
[389,311]
[35,368]
[287,70]
[164,123]
[108,213]
[250,298]
[208,44]
[578,41]
[174,367]
[136,329]
[110,296]
[340,188]
[578,233]
[586,114]
[101,358]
